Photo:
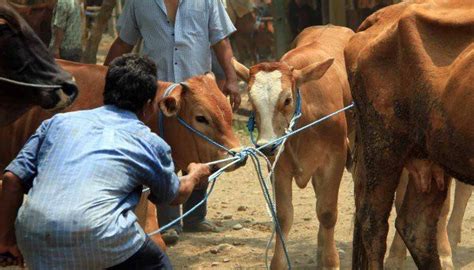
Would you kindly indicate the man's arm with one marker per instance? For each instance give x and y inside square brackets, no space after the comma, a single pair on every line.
[11,198]
[118,48]
[198,174]
[58,34]
[129,33]
[224,55]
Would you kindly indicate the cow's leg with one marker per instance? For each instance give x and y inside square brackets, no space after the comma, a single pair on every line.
[461,197]
[284,207]
[398,250]
[326,186]
[444,248]
[417,224]
[153,225]
[377,174]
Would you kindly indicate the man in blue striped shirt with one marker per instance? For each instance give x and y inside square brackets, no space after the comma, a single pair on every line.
[84,172]
[179,36]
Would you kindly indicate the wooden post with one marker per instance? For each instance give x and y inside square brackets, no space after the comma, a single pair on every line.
[90,54]
[282,29]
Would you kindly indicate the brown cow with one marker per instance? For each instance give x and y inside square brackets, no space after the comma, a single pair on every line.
[411,72]
[25,59]
[199,99]
[38,16]
[316,67]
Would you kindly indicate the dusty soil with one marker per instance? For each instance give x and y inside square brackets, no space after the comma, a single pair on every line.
[245,248]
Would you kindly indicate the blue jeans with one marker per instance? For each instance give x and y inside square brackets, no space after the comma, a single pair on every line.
[148,257]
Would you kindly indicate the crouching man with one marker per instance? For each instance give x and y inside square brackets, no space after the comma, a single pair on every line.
[84,172]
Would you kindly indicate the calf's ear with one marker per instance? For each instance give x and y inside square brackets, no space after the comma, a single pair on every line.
[241,70]
[312,72]
[171,104]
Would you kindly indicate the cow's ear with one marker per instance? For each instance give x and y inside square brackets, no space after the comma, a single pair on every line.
[171,104]
[241,70]
[312,72]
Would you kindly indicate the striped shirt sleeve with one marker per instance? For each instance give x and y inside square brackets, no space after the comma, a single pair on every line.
[25,165]
[220,25]
[164,183]
[129,31]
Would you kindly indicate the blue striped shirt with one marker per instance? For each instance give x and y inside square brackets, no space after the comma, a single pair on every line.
[180,50]
[84,173]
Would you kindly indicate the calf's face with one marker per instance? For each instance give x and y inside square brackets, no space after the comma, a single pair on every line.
[272,89]
[200,103]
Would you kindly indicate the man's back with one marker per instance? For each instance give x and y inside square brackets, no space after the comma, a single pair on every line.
[91,167]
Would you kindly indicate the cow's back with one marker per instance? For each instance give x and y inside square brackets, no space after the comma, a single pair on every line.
[408,68]
[90,81]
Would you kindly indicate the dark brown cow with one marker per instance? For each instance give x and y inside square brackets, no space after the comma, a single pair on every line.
[411,69]
[201,99]
[25,59]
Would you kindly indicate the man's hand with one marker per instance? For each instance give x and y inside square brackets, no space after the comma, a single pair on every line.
[224,55]
[232,90]
[197,175]
[9,252]
[199,171]
[56,53]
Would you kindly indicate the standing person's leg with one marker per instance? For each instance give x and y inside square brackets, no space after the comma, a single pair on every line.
[148,257]
[196,220]
[166,214]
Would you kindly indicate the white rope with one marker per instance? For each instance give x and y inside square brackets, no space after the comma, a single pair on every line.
[34,85]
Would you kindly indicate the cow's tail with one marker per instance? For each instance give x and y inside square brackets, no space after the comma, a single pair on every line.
[349,159]
[359,256]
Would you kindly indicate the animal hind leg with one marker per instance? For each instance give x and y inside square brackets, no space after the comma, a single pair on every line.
[326,184]
[444,247]
[461,197]
[398,250]
[417,223]
[374,186]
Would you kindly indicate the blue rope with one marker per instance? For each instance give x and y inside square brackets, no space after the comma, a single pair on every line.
[303,128]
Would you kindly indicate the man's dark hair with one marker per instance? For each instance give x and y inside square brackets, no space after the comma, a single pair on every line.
[130,82]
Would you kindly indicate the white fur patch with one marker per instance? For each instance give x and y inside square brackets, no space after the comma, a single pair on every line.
[264,94]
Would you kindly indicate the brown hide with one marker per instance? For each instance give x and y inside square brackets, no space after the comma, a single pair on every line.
[316,66]
[411,70]
[202,97]
[38,16]
[320,97]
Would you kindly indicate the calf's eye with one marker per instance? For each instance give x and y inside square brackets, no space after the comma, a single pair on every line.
[201,119]
[287,102]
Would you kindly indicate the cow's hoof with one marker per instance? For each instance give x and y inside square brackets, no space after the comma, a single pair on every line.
[395,263]
[446,262]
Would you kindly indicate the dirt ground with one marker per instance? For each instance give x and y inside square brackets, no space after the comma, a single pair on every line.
[245,248]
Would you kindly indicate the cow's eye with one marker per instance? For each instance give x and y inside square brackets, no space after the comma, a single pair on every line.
[201,119]
[287,102]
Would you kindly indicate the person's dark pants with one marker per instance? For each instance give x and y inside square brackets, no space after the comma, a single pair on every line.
[167,213]
[148,257]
